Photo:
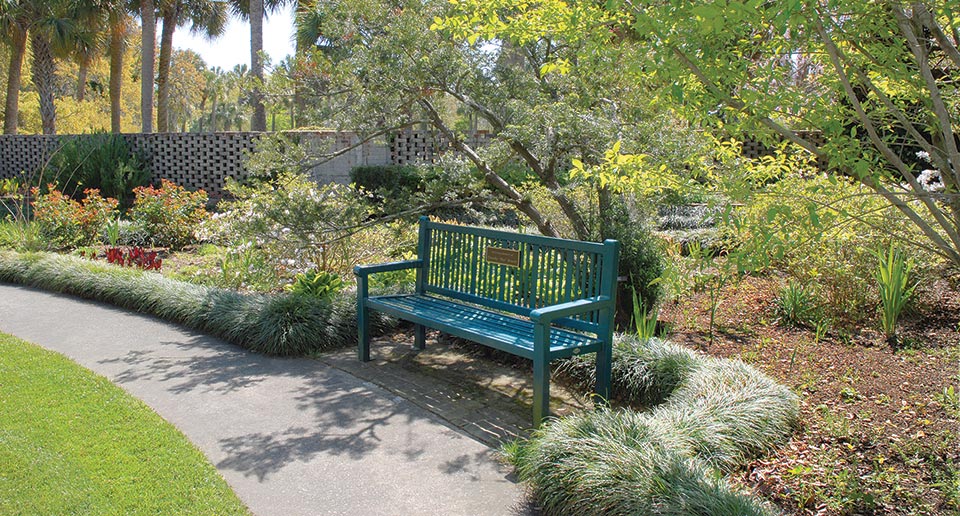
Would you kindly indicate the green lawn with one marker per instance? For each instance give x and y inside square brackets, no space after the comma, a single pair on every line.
[71,442]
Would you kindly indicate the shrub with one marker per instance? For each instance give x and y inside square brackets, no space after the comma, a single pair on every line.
[65,223]
[706,416]
[170,214]
[296,226]
[386,181]
[100,161]
[641,258]
[821,231]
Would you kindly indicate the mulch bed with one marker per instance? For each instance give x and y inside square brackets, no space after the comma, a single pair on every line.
[878,435]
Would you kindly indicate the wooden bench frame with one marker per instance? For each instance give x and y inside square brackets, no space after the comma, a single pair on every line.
[525,310]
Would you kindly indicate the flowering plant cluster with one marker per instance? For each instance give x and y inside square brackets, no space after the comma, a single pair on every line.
[171,214]
[65,223]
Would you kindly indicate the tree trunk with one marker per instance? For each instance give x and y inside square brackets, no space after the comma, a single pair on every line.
[259,120]
[213,115]
[18,42]
[44,69]
[170,16]
[148,53]
[118,46]
[82,76]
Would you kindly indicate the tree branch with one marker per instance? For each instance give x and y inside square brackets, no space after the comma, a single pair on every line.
[544,225]
[892,157]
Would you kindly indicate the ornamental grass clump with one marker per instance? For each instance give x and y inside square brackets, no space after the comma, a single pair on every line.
[284,324]
[644,373]
[622,463]
[893,278]
[708,416]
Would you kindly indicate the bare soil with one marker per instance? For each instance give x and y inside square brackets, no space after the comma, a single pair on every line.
[879,427]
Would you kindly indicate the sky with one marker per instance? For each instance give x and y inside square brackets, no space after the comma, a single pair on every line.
[233,47]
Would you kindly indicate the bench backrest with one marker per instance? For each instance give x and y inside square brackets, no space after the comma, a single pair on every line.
[515,272]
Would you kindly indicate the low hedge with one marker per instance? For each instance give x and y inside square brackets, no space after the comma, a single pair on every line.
[281,324]
[705,416]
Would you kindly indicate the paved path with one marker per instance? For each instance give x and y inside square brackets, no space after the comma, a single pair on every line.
[290,436]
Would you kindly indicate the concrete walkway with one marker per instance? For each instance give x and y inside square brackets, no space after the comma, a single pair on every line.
[290,436]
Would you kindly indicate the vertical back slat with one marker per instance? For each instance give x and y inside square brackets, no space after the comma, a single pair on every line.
[548,274]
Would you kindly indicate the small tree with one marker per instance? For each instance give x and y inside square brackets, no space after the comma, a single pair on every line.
[876,79]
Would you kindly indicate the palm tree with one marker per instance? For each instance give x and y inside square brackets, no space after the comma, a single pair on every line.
[254,11]
[208,17]
[14,23]
[119,24]
[148,17]
[58,30]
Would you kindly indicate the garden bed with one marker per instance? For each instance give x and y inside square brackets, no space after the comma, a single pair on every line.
[880,425]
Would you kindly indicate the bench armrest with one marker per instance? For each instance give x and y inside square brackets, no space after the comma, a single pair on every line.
[366,270]
[549,313]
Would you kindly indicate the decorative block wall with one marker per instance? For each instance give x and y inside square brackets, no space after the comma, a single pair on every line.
[199,160]
[411,146]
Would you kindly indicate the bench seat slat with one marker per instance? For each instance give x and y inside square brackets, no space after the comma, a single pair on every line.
[490,328]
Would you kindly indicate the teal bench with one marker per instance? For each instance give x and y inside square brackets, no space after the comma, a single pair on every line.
[537,297]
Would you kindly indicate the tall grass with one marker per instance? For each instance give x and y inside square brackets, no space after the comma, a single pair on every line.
[706,416]
[283,324]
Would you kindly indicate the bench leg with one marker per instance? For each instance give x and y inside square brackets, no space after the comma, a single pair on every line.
[420,336]
[363,322]
[604,362]
[541,374]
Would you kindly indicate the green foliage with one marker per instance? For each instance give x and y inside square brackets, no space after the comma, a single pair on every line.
[820,231]
[797,305]
[645,371]
[297,225]
[537,121]
[101,161]
[870,78]
[64,223]
[74,443]
[171,215]
[244,266]
[283,324]
[20,235]
[705,416]
[318,284]
[893,279]
[9,186]
[644,318]
[126,232]
[641,257]
[112,232]
[387,181]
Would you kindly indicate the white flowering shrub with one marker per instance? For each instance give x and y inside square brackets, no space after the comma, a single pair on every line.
[290,223]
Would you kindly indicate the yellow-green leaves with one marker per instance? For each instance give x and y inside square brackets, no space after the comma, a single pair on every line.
[627,173]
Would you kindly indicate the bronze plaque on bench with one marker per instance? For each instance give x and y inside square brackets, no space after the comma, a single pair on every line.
[502,256]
